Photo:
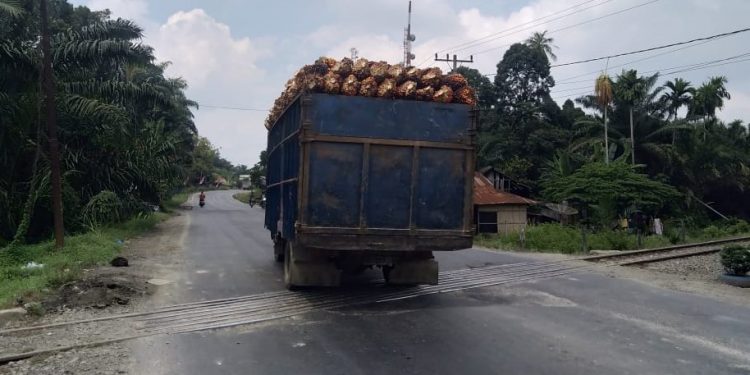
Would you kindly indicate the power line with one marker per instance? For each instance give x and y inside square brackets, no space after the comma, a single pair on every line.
[680,69]
[567,80]
[232,108]
[521,25]
[685,68]
[479,42]
[577,24]
[653,48]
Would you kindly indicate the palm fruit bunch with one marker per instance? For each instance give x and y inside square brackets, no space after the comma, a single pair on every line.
[373,79]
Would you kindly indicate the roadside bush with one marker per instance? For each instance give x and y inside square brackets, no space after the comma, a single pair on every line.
[712,231]
[102,209]
[554,237]
[739,227]
[736,259]
[612,241]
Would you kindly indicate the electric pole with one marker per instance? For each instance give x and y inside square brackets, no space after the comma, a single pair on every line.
[408,39]
[48,86]
[455,60]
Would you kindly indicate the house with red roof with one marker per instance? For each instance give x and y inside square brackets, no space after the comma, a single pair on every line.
[498,211]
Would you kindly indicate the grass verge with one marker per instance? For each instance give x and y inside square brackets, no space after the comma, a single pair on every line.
[178,199]
[81,251]
[243,197]
[556,238]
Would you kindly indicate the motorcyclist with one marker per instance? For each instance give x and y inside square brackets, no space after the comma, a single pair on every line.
[202,199]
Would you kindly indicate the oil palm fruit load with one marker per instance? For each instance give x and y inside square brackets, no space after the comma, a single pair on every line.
[373,79]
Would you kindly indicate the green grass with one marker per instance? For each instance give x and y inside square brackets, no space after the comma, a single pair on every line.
[566,239]
[243,197]
[558,238]
[176,200]
[81,251]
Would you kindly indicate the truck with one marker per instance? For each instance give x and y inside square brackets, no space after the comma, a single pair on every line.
[360,182]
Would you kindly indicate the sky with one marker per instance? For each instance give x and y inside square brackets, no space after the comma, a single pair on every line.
[239,54]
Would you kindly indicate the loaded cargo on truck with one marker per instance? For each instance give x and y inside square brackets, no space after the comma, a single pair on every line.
[355,181]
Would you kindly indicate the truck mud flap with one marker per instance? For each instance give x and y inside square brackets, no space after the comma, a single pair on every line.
[413,273]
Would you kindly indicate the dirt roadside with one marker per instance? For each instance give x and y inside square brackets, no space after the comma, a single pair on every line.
[155,259]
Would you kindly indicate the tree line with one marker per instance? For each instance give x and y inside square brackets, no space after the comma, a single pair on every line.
[633,144]
[126,131]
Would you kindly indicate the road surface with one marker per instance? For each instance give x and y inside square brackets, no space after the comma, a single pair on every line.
[581,323]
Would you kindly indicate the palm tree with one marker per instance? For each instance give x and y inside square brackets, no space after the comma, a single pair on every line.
[633,91]
[680,94]
[603,92]
[708,98]
[542,43]
[11,8]
[124,126]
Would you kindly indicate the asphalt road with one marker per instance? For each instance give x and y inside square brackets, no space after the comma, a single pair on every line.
[582,323]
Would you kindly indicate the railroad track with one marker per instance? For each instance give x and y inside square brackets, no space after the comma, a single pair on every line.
[232,312]
[244,310]
[639,257]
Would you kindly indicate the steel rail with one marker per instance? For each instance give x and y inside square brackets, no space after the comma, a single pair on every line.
[668,257]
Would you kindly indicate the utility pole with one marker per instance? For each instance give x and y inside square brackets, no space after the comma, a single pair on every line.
[455,60]
[48,87]
[408,39]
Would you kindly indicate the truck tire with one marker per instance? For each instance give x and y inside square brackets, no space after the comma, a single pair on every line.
[288,265]
[308,270]
[278,250]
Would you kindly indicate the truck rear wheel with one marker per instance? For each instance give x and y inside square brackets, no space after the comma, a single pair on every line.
[302,269]
[288,265]
[278,250]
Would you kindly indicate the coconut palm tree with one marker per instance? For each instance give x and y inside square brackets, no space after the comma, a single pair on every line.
[603,93]
[542,43]
[708,98]
[633,90]
[679,95]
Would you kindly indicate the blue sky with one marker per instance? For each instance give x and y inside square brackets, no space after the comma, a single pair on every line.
[240,53]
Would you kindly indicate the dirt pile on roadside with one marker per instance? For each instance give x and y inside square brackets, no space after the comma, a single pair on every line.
[99,291]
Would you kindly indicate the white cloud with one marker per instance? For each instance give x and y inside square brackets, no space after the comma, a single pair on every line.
[221,70]
[204,52]
[136,10]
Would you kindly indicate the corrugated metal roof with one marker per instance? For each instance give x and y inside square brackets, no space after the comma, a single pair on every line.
[486,194]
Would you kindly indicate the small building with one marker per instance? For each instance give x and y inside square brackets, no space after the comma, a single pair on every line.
[220,181]
[498,211]
[244,181]
[502,182]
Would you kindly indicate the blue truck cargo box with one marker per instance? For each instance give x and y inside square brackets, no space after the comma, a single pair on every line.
[359,173]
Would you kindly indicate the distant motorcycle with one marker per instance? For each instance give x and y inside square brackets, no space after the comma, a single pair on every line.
[202,199]
[252,202]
